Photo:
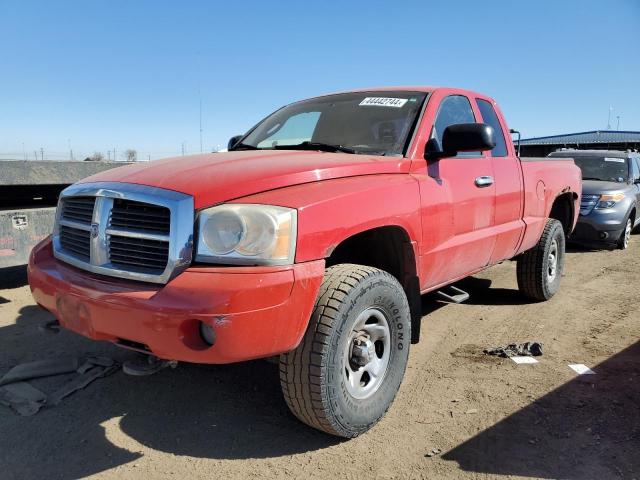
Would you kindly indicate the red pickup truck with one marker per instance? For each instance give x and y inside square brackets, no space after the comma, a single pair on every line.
[312,238]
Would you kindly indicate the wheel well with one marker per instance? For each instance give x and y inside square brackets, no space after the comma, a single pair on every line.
[632,215]
[389,249]
[563,210]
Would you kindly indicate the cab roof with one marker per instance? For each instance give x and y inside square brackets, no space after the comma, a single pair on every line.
[410,88]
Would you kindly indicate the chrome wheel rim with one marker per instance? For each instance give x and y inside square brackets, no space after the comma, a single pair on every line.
[552,262]
[366,355]
[627,233]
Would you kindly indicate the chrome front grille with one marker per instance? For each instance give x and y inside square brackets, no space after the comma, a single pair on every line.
[124,230]
[587,203]
[76,241]
[138,253]
[140,216]
[79,209]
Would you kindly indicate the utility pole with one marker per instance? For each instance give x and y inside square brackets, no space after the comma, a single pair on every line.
[70,151]
[609,118]
[618,124]
[35,155]
[149,156]
[24,152]
[183,149]
[108,155]
[114,154]
[200,97]
[42,153]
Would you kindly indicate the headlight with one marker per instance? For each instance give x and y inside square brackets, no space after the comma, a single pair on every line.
[609,200]
[247,235]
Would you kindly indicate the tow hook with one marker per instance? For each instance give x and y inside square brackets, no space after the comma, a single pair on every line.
[147,365]
[50,327]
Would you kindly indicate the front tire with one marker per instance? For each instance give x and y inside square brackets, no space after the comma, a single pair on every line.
[539,269]
[345,373]
[625,236]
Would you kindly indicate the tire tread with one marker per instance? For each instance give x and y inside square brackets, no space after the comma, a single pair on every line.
[301,369]
[530,265]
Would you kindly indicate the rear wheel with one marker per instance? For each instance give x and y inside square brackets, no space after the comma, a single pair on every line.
[346,372]
[625,236]
[539,269]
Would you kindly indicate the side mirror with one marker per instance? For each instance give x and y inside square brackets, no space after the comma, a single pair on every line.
[637,181]
[461,137]
[234,141]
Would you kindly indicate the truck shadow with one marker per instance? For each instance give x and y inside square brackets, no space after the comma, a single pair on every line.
[480,293]
[13,277]
[587,428]
[220,412]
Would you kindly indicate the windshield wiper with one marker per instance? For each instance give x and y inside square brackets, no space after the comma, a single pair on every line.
[325,147]
[593,178]
[244,146]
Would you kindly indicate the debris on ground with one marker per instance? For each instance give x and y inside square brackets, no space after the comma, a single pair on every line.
[531,349]
[433,452]
[581,369]
[523,360]
[17,393]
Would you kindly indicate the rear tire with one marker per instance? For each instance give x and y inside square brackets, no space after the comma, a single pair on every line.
[540,269]
[345,373]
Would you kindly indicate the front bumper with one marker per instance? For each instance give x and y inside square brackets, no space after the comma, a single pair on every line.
[255,311]
[600,227]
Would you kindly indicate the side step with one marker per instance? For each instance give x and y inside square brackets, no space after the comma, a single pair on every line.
[453,294]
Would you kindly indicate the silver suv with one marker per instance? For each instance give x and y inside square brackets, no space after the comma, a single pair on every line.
[610,196]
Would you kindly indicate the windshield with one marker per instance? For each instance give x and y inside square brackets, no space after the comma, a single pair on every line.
[377,123]
[607,169]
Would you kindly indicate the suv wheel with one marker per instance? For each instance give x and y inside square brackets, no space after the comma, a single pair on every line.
[346,372]
[539,269]
[623,241]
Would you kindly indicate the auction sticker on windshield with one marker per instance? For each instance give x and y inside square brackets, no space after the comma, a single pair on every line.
[611,159]
[384,102]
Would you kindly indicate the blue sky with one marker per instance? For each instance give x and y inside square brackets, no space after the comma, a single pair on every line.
[126,74]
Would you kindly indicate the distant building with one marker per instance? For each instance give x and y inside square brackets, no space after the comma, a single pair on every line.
[595,140]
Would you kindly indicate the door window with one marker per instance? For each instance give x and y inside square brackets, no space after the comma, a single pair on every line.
[453,110]
[635,168]
[490,117]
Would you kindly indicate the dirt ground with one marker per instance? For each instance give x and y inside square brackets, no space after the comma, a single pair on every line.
[489,417]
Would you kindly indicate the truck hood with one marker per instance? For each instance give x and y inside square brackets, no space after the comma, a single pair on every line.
[597,187]
[219,177]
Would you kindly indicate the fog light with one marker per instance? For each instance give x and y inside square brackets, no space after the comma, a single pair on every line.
[604,235]
[207,333]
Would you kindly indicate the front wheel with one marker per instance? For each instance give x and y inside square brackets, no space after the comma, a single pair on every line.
[625,236]
[346,372]
[539,269]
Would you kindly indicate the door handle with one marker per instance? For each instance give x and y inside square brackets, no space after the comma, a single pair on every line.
[484,181]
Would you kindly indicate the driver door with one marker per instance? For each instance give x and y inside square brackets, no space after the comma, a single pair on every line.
[458,204]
